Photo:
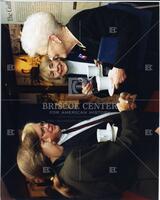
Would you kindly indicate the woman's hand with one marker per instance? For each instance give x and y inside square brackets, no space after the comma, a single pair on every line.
[126,102]
[87,88]
[117,76]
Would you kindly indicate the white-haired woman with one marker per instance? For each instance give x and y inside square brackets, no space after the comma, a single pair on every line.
[43,34]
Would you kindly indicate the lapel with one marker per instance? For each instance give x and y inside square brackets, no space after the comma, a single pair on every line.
[89,137]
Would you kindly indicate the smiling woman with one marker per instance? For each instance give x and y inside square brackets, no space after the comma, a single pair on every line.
[45,131]
[57,68]
[84,165]
[52,72]
[38,139]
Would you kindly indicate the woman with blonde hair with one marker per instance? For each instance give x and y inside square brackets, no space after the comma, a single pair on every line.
[87,168]
[43,75]
[59,71]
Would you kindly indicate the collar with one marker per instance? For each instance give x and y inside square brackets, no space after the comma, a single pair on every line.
[81,45]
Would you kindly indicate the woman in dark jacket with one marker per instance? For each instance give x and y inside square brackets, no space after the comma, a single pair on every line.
[101,170]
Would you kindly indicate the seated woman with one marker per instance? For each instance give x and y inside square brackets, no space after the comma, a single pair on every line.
[102,170]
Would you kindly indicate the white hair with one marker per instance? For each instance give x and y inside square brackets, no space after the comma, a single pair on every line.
[36,31]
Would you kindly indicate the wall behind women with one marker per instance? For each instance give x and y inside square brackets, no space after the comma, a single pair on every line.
[16,12]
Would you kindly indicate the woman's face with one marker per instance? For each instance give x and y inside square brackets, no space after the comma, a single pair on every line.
[47,131]
[57,69]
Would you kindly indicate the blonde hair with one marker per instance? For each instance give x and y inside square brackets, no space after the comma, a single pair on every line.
[44,74]
[31,161]
[28,129]
[30,158]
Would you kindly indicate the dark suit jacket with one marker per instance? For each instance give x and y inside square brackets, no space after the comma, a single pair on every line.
[106,168]
[90,25]
[89,137]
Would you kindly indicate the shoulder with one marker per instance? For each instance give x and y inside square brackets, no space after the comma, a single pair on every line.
[86,14]
[78,17]
[70,168]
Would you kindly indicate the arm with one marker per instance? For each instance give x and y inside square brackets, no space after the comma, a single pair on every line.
[131,129]
[124,145]
[130,133]
[128,27]
[96,159]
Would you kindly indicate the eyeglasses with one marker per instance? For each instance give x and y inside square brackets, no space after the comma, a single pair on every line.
[43,127]
[42,124]
[58,58]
